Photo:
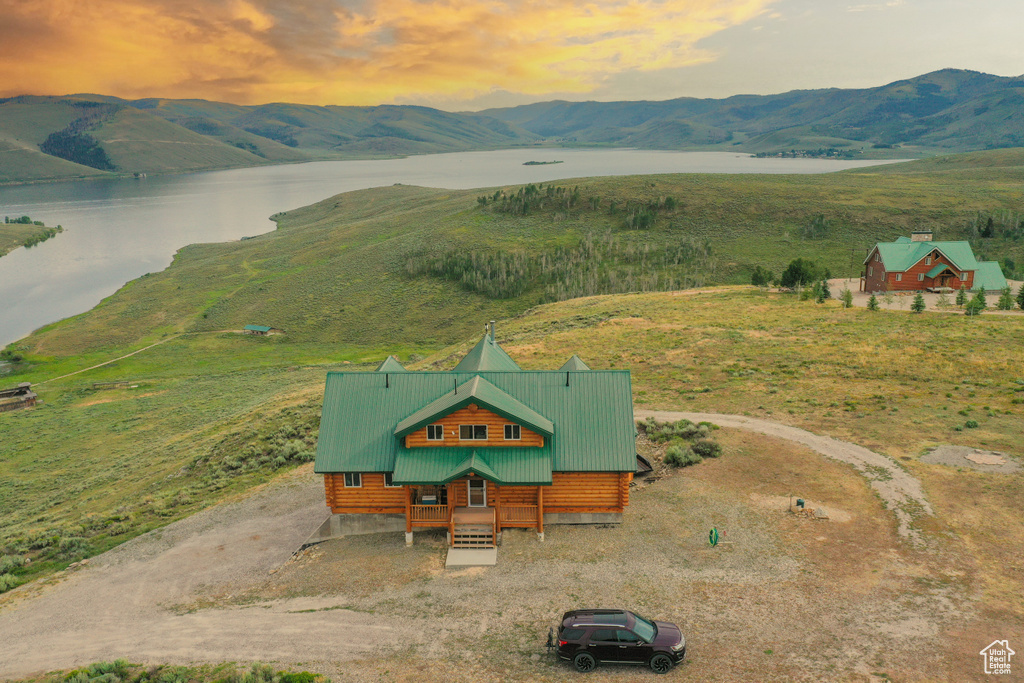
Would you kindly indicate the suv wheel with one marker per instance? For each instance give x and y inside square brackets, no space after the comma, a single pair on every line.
[584,662]
[661,664]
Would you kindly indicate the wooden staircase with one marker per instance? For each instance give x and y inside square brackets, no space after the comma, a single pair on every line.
[473,536]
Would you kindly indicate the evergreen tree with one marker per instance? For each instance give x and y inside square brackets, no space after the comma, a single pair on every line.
[943,301]
[918,305]
[761,277]
[1020,297]
[961,296]
[847,296]
[873,303]
[1005,302]
[980,298]
[974,307]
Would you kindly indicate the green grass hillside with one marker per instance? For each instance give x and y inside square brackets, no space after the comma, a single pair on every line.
[425,266]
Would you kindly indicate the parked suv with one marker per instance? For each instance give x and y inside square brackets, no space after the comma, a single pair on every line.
[587,637]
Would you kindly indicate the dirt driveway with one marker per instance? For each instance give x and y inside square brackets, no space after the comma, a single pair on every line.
[785,599]
[123,603]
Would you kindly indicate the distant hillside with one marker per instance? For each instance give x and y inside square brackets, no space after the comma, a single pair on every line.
[84,135]
[950,110]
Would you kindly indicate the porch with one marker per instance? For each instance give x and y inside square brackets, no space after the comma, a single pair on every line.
[475,519]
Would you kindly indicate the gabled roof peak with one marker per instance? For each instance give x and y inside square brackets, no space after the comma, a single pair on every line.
[487,356]
[391,364]
[574,364]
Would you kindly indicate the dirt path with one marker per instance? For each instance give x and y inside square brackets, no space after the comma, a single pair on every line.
[122,604]
[898,489]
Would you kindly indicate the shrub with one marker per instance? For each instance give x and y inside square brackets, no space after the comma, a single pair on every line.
[7,582]
[762,277]
[971,424]
[72,545]
[873,303]
[681,456]
[847,297]
[9,562]
[707,448]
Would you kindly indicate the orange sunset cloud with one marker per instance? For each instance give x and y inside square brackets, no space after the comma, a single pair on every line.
[323,52]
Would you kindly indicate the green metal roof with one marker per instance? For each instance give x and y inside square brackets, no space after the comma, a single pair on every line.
[390,364]
[480,391]
[258,328]
[574,364]
[901,255]
[990,276]
[594,415]
[487,356]
[938,269]
[503,466]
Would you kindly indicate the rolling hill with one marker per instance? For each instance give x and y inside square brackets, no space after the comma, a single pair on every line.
[945,111]
[952,110]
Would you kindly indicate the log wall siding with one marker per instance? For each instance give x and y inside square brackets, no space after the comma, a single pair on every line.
[474,415]
[372,496]
[569,492]
[875,282]
[587,492]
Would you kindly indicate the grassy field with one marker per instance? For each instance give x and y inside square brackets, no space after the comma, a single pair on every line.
[215,412]
[335,272]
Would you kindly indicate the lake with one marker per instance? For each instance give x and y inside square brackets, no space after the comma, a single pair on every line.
[119,229]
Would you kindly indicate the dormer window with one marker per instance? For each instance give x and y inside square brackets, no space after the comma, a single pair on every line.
[435,432]
[513,433]
[928,261]
[473,432]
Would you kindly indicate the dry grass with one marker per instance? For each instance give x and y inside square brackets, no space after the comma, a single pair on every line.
[786,598]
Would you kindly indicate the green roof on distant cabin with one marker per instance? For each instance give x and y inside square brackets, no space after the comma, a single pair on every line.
[990,276]
[574,364]
[901,255]
[258,328]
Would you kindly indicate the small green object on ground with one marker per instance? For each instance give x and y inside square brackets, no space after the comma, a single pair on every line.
[713,537]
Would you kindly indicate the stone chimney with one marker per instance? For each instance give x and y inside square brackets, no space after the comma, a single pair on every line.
[921,236]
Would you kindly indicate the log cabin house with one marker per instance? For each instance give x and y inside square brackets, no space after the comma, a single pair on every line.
[917,264]
[482,448]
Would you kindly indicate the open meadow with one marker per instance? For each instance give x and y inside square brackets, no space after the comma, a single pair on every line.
[208,413]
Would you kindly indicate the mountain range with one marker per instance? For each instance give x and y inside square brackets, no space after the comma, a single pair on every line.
[95,135]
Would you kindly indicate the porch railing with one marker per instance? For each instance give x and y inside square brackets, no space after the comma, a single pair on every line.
[435,515]
[518,515]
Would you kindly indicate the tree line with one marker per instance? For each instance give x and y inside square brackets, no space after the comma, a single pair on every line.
[606,264]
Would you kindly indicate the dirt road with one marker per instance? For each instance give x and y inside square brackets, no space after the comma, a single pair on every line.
[898,489]
[122,604]
[145,600]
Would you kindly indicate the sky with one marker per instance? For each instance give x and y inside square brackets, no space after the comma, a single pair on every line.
[473,54]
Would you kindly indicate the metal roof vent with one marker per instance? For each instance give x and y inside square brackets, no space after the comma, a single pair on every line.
[492,331]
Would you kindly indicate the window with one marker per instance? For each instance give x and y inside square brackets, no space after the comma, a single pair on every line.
[899,277]
[627,636]
[513,433]
[572,633]
[928,261]
[877,256]
[473,432]
[606,635]
[435,432]
[920,277]
[871,271]
[353,480]
[388,476]
[963,277]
